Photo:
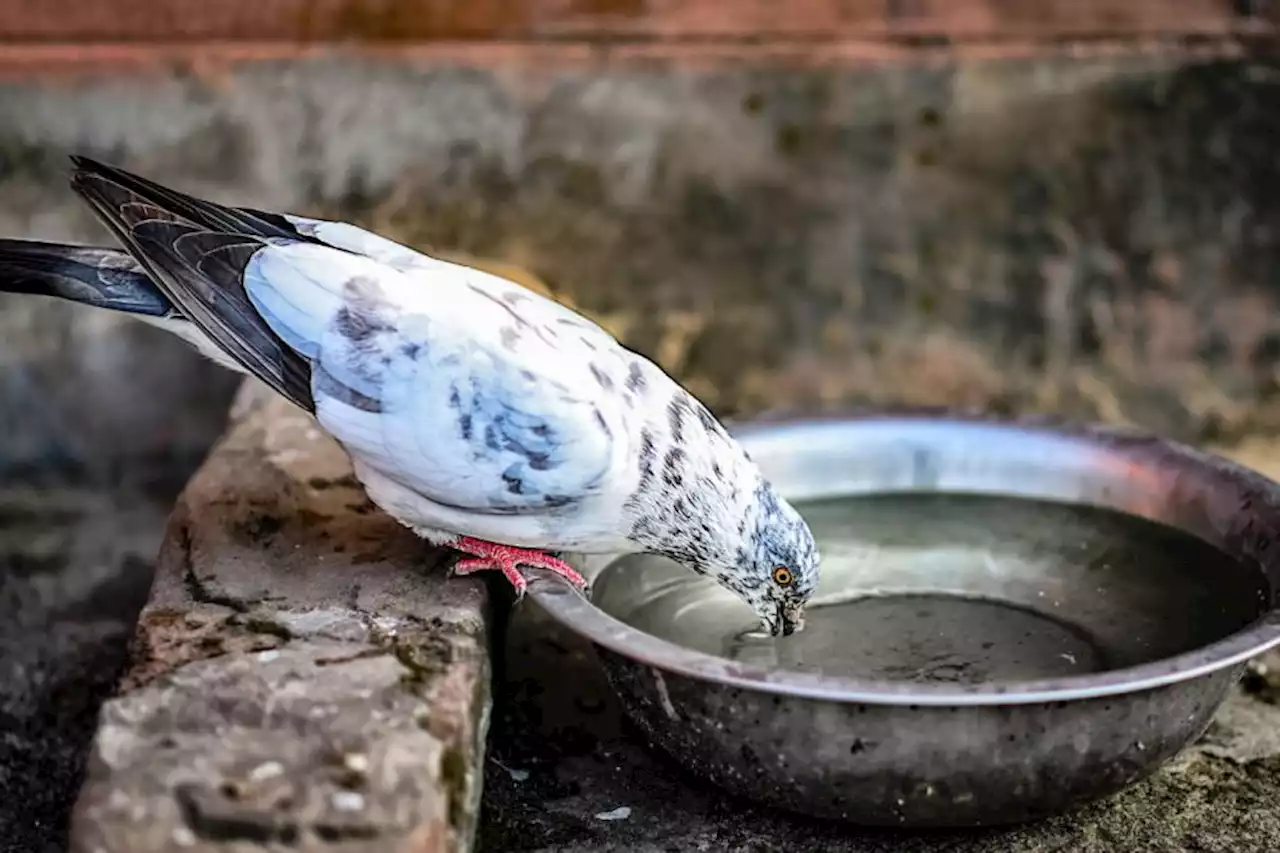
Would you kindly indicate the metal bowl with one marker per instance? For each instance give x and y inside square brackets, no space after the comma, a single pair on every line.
[977,670]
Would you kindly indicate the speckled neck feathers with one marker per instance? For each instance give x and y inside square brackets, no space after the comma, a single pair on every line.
[698,497]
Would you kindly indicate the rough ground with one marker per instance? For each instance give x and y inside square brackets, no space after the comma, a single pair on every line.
[75,566]
[562,759]
[304,677]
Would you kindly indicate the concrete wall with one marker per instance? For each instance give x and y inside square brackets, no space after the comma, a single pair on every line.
[1091,236]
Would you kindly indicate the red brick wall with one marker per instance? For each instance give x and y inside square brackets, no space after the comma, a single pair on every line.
[28,21]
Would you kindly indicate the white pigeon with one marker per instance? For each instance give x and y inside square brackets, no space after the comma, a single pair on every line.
[482,415]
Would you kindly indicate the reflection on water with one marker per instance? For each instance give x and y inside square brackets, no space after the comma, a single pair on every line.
[963,589]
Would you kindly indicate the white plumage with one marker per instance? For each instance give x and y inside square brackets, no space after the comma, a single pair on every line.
[486,417]
[477,412]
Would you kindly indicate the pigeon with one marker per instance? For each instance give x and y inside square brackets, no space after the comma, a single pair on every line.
[485,417]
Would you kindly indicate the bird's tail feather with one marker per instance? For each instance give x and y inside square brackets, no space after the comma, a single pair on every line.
[103,278]
[196,252]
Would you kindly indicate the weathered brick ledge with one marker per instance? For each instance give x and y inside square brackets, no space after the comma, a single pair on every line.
[305,675]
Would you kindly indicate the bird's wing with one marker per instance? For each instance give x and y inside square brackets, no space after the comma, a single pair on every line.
[194,250]
[471,391]
[457,394]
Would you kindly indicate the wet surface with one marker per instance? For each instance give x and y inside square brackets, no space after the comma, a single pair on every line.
[963,590]
[74,571]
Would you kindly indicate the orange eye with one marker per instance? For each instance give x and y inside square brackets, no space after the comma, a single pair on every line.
[782,576]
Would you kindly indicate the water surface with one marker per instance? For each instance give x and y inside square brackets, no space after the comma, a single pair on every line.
[964,589]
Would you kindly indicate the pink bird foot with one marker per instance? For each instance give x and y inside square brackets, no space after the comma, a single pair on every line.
[489,556]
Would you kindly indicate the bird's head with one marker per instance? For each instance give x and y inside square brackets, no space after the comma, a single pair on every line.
[712,510]
[775,566]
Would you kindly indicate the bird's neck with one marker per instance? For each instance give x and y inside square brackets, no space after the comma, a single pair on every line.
[695,499]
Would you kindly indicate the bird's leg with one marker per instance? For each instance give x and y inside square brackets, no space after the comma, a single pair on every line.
[488,556]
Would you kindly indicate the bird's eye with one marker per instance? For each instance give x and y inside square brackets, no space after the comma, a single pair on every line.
[782,576]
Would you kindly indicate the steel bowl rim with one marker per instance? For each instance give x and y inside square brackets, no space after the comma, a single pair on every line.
[575,611]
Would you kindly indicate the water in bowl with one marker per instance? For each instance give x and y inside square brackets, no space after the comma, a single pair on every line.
[963,589]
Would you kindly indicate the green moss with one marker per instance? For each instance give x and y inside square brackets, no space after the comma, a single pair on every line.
[261,623]
[423,655]
[455,773]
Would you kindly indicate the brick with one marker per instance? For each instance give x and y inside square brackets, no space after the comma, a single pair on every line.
[304,673]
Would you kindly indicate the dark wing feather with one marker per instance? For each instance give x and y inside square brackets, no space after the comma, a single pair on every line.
[210,215]
[196,251]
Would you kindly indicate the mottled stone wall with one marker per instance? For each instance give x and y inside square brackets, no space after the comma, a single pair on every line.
[1094,236]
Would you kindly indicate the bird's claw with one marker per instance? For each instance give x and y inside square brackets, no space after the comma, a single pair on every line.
[480,564]
[488,556]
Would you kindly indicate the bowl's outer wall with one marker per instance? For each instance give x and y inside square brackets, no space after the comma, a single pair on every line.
[935,755]
[889,765]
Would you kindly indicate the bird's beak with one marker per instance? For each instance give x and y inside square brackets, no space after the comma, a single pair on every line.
[771,620]
[790,619]
[781,624]
[784,620]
